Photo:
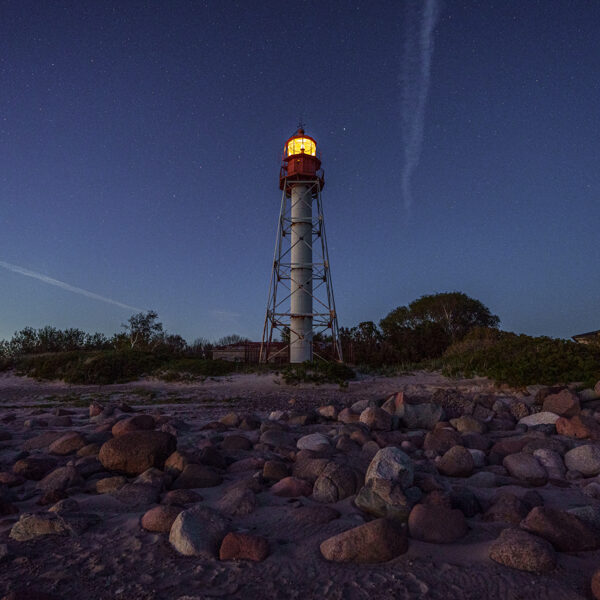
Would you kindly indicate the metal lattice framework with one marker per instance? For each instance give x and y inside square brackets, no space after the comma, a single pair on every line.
[278,315]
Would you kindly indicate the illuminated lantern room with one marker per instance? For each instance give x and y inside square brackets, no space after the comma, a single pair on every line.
[300,160]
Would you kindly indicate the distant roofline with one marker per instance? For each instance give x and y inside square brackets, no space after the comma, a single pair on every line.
[588,334]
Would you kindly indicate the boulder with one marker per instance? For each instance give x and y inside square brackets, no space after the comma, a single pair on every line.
[41,441]
[278,438]
[373,542]
[420,416]
[456,462]
[30,526]
[292,487]
[521,550]
[388,476]
[108,485]
[579,427]
[391,464]
[552,462]
[328,412]
[309,468]
[236,442]
[242,546]
[137,495]
[131,424]
[453,402]
[181,497]
[441,440]
[540,418]
[197,476]
[67,444]
[89,450]
[468,424]
[526,468]
[133,453]
[347,416]
[565,531]
[376,419]
[62,479]
[274,470]
[335,483]
[160,518]
[238,500]
[564,404]
[316,442]
[231,419]
[393,403]
[33,468]
[507,508]
[585,459]
[198,531]
[436,524]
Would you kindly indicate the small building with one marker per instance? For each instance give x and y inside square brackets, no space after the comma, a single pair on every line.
[249,352]
[592,337]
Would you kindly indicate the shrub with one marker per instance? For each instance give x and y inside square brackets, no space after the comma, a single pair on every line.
[190,368]
[99,368]
[520,360]
[318,372]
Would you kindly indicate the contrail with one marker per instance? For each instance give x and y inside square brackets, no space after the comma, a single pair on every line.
[65,286]
[421,17]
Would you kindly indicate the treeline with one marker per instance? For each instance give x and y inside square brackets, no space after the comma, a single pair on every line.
[142,332]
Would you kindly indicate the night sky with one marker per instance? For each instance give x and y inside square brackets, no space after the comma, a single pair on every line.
[140,145]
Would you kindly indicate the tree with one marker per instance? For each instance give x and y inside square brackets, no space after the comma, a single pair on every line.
[233,338]
[142,330]
[428,325]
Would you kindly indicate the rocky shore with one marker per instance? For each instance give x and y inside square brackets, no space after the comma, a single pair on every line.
[433,491]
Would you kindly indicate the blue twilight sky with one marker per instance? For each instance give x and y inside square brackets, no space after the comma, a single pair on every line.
[140,145]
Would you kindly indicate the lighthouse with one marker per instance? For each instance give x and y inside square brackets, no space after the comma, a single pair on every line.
[301,304]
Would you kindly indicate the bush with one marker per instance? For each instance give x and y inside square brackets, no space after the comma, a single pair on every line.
[190,368]
[99,368]
[520,360]
[318,372]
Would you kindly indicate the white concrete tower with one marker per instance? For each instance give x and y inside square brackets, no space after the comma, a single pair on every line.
[301,277]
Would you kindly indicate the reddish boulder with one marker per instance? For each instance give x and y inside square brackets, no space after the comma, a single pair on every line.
[292,487]
[580,427]
[565,531]
[377,541]
[376,418]
[242,546]
[564,404]
[160,518]
[436,524]
[137,423]
[347,416]
[67,444]
[133,453]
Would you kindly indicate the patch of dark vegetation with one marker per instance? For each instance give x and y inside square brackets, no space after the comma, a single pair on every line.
[191,369]
[520,360]
[318,372]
